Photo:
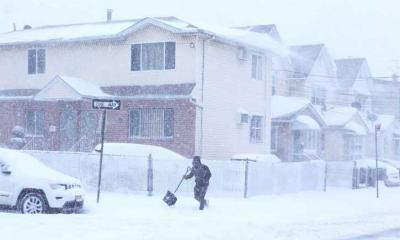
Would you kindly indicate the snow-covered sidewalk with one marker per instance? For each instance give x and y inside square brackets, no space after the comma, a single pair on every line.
[336,214]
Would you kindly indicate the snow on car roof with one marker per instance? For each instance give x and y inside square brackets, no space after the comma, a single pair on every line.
[25,164]
[140,150]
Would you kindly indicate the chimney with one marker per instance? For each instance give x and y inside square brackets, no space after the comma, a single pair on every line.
[14,27]
[109,15]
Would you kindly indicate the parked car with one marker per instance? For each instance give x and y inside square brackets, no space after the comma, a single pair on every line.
[29,186]
[392,178]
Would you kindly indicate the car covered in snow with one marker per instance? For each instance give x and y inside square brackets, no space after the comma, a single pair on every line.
[29,186]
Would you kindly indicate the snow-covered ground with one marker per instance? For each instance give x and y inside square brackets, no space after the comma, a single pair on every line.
[336,214]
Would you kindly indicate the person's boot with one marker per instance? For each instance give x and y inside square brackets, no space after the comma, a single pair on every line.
[202,203]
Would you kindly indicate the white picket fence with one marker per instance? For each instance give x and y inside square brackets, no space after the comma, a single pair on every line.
[129,173]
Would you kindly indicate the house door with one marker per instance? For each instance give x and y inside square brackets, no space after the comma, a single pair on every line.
[89,124]
[68,128]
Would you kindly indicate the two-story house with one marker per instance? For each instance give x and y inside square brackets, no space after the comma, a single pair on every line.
[193,89]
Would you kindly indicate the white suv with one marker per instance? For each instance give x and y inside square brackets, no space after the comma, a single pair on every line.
[29,186]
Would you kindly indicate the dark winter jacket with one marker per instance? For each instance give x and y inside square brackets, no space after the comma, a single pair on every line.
[201,173]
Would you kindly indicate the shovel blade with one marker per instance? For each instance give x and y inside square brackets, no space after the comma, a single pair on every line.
[170,199]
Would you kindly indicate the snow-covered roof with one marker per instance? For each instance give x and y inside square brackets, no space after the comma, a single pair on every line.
[270,158]
[120,30]
[356,128]
[303,122]
[282,106]
[303,59]
[141,151]
[339,116]
[79,87]
[347,70]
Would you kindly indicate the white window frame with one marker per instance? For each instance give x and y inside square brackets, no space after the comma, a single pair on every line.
[37,61]
[141,126]
[164,58]
[318,96]
[259,66]
[256,132]
[35,123]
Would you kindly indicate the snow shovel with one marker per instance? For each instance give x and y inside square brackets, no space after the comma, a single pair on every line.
[170,198]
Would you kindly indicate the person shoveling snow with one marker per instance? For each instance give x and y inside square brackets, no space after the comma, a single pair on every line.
[202,176]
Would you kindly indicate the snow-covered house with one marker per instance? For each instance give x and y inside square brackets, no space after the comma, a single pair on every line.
[312,74]
[386,96]
[345,136]
[194,89]
[297,129]
[354,83]
[388,137]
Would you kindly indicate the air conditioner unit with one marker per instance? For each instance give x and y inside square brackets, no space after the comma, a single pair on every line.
[243,118]
[242,54]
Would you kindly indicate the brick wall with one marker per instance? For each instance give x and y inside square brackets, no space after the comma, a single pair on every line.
[13,113]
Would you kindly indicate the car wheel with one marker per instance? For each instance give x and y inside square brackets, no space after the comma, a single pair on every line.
[33,203]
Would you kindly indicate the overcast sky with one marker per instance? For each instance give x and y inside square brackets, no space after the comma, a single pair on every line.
[357,28]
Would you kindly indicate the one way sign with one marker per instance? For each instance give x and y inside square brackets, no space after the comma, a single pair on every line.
[106,104]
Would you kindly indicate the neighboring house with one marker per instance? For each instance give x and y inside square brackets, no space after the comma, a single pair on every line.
[354,83]
[388,137]
[386,96]
[279,64]
[182,86]
[345,136]
[296,133]
[312,74]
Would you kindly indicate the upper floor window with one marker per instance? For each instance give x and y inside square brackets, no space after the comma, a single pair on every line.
[153,56]
[318,96]
[151,123]
[256,129]
[36,61]
[34,122]
[257,67]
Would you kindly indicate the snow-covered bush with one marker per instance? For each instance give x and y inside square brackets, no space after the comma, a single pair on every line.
[18,140]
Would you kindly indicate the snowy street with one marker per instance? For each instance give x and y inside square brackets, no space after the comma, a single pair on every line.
[338,214]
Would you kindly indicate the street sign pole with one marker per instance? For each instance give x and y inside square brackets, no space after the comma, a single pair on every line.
[377,128]
[101,155]
[104,104]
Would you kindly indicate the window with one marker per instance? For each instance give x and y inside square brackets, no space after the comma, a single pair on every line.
[353,146]
[274,138]
[318,96]
[35,123]
[36,61]
[273,92]
[396,146]
[153,56]
[256,129]
[256,67]
[151,123]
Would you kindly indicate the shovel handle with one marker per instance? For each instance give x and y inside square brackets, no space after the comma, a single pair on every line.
[183,177]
